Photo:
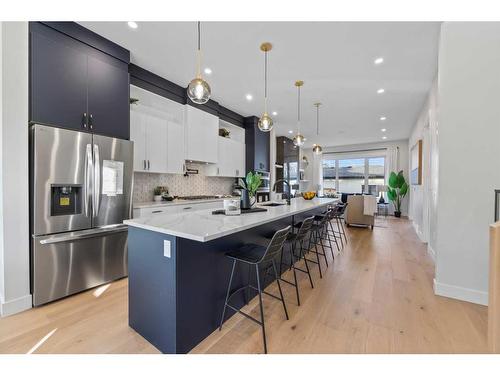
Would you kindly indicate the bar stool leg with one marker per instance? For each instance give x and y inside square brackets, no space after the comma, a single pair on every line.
[292,251]
[343,229]
[331,247]
[247,291]
[307,265]
[317,256]
[320,235]
[279,288]
[227,294]
[261,308]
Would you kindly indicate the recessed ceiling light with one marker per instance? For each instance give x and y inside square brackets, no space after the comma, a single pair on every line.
[275,113]
[383,130]
[379,60]
[380,91]
[132,24]
[208,71]
[384,137]
[290,132]
[383,118]
[249,97]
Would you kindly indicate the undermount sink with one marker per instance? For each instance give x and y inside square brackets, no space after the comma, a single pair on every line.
[272,204]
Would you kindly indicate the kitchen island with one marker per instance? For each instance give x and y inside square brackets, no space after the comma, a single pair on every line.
[178,273]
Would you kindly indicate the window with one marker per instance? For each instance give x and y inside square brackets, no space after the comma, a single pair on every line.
[353,174]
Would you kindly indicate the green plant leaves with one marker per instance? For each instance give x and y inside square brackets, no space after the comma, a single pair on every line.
[404,189]
[391,194]
[251,183]
[400,179]
[393,180]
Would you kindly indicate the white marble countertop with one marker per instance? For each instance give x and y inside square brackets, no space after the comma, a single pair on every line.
[203,226]
[175,202]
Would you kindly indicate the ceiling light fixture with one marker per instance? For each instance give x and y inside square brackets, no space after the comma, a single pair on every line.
[132,24]
[298,140]
[249,97]
[383,118]
[265,122]
[380,91]
[198,89]
[208,71]
[275,113]
[383,130]
[317,148]
[290,132]
[384,137]
[379,60]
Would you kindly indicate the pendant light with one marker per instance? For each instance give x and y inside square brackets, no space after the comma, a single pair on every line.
[317,148]
[199,90]
[265,122]
[298,140]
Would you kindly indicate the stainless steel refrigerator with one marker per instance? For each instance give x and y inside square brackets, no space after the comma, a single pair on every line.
[80,193]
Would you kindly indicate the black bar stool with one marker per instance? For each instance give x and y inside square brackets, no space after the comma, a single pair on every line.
[315,238]
[255,255]
[295,242]
[331,212]
[339,216]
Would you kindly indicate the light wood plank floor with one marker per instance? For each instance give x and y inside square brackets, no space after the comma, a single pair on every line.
[377,297]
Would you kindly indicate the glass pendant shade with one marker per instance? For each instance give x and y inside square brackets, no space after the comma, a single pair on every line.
[265,123]
[298,140]
[317,149]
[199,91]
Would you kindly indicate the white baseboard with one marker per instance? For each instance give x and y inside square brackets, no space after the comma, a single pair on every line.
[431,252]
[418,231]
[464,294]
[15,306]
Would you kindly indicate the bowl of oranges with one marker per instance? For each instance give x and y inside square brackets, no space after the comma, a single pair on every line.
[308,195]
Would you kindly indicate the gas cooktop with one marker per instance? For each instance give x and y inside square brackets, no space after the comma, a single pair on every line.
[197,197]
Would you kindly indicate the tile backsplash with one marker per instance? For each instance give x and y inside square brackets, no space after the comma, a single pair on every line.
[179,185]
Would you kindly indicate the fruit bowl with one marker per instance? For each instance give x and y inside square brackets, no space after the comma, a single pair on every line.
[308,195]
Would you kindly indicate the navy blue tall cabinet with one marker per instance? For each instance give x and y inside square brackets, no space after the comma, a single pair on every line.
[78,80]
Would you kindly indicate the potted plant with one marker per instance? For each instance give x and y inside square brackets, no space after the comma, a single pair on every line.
[249,187]
[397,190]
[158,192]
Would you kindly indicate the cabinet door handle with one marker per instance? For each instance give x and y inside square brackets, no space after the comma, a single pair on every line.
[237,172]
[156,212]
[91,121]
[217,170]
[148,165]
[187,208]
[84,120]
[144,161]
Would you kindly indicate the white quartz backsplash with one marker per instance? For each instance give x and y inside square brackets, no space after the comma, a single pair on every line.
[179,185]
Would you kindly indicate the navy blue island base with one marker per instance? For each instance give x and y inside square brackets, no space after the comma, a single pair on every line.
[177,286]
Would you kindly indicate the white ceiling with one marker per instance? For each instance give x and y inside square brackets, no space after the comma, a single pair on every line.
[334,59]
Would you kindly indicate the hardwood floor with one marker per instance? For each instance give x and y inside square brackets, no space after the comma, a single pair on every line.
[377,297]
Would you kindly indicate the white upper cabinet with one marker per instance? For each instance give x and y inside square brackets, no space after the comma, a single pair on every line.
[176,148]
[201,137]
[231,154]
[157,129]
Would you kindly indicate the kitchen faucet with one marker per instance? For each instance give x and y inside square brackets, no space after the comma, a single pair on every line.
[289,190]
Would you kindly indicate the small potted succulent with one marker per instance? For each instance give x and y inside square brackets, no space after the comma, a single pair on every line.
[158,191]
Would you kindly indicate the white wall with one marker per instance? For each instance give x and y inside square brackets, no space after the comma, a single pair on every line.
[14,234]
[423,198]
[314,172]
[469,162]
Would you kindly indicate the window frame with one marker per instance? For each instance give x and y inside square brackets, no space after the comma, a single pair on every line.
[365,156]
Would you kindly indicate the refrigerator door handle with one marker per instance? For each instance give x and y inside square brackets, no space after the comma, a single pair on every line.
[87,234]
[87,179]
[97,181]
